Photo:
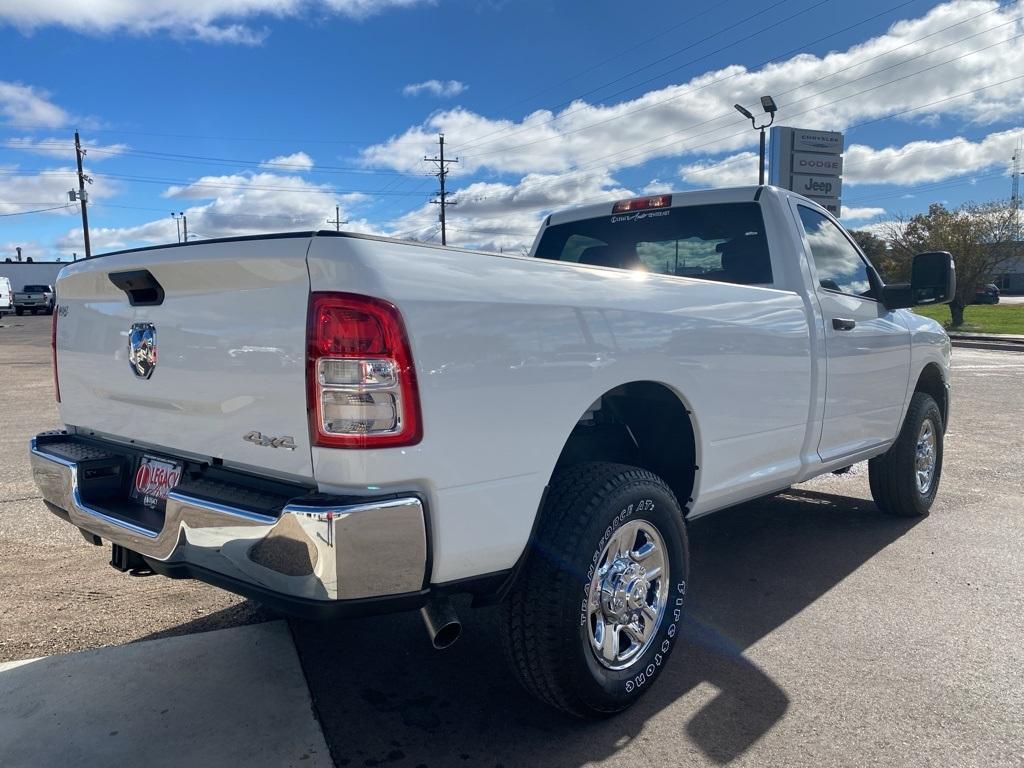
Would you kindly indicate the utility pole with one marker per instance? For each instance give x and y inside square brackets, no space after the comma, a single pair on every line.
[177,222]
[1015,194]
[83,198]
[442,174]
[337,221]
[184,225]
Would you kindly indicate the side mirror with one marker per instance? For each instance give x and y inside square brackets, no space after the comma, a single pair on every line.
[932,281]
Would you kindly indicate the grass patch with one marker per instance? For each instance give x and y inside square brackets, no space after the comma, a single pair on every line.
[981,318]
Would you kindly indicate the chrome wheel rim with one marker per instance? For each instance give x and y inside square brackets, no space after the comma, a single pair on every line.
[628,594]
[924,464]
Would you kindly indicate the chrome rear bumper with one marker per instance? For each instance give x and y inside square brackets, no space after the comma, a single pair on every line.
[309,552]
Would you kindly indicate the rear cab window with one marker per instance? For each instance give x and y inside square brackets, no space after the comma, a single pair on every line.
[722,241]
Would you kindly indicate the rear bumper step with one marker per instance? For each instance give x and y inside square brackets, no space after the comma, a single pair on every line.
[313,553]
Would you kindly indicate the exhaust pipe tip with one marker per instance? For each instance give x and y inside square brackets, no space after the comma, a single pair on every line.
[441,621]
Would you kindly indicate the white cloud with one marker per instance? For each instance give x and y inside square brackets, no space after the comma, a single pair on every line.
[861,214]
[924,161]
[657,187]
[913,163]
[27,106]
[26,191]
[737,170]
[696,117]
[58,147]
[443,88]
[213,21]
[298,161]
[496,216]
[231,205]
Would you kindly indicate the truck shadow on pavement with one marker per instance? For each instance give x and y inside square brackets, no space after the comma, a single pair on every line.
[384,696]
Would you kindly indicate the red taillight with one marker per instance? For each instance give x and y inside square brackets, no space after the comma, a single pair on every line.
[360,377]
[640,203]
[53,352]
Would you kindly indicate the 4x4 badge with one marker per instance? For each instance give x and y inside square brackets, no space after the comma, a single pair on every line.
[266,441]
[142,349]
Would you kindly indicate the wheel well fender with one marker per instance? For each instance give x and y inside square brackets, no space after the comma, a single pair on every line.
[932,382]
[642,423]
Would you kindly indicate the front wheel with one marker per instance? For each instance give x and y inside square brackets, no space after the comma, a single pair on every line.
[596,611]
[905,479]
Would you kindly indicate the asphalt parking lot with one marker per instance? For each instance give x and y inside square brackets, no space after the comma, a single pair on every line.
[820,632]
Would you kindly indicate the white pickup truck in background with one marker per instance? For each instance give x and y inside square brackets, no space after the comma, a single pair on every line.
[343,424]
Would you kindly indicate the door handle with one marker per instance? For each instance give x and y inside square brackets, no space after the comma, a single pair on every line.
[841,324]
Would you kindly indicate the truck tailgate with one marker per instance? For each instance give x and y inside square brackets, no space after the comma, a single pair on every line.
[230,351]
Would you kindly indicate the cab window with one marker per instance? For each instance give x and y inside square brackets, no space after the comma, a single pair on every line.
[724,242]
[839,264]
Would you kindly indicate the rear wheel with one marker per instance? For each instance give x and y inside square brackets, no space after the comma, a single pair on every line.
[595,613]
[19,311]
[905,479]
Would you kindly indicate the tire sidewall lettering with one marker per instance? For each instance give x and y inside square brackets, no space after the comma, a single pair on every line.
[635,682]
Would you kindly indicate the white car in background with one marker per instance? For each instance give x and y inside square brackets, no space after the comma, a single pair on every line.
[5,296]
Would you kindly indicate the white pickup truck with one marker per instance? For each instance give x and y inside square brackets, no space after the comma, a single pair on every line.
[344,424]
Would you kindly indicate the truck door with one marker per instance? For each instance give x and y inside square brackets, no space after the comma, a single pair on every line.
[867,346]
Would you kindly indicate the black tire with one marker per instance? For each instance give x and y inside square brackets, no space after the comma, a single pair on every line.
[893,475]
[547,637]
[19,311]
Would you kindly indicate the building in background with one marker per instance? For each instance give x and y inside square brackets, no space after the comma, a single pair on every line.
[31,272]
[1010,277]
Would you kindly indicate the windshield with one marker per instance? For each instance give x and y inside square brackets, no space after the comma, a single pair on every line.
[724,242]
[37,288]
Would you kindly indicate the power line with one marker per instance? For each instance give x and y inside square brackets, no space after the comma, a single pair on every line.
[731,160]
[477,140]
[266,139]
[37,210]
[262,164]
[729,113]
[219,185]
[602,162]
[798,49]
[737,159]
[620,54]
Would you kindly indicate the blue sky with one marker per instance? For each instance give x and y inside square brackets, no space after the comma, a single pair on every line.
[546,104]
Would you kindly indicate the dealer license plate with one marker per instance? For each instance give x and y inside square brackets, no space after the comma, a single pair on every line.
[154,479]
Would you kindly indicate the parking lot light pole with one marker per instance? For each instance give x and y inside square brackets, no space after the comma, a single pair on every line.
[768,103]
[177,222]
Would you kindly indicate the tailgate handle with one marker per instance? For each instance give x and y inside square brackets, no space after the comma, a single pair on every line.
[142,288]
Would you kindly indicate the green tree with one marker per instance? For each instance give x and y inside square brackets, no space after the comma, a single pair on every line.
[877,251]
[977,234]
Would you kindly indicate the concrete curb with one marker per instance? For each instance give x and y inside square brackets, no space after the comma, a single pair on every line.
[997,342]
[230,697]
